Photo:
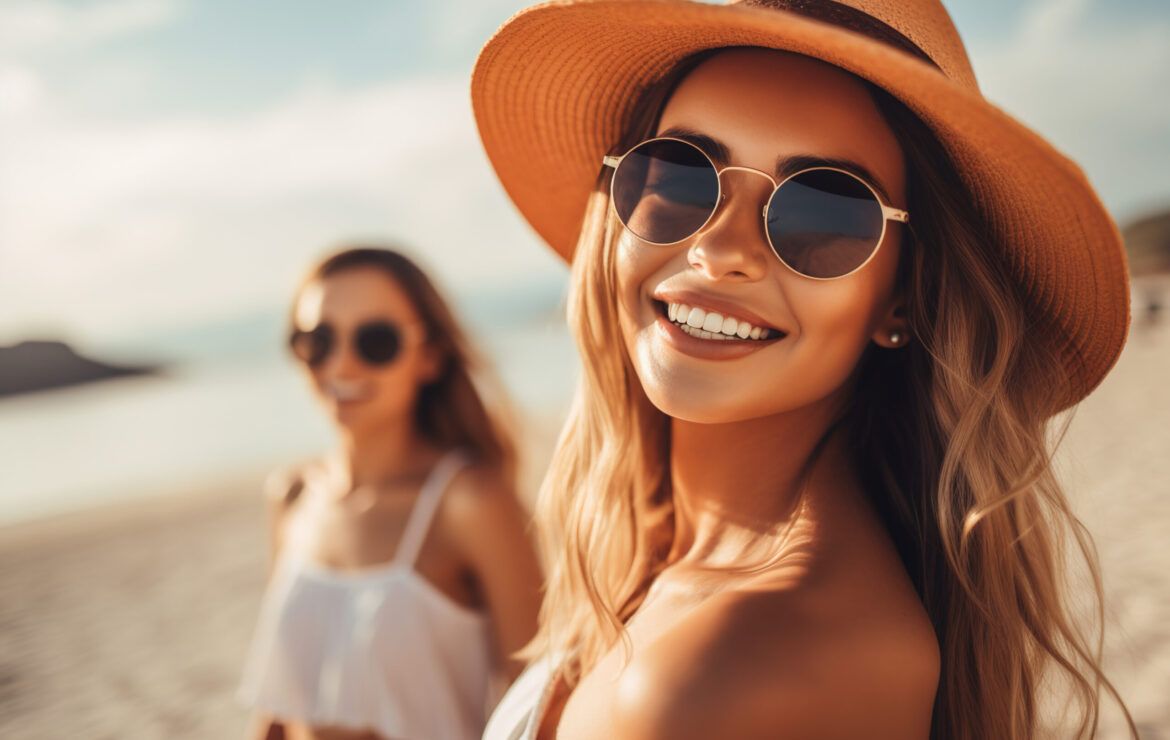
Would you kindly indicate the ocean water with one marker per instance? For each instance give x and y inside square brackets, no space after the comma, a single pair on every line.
[217,414]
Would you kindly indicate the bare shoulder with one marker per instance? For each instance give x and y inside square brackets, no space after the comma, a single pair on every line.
[281,488]
[283,485]
[785,663]
[480,507]
[478,490]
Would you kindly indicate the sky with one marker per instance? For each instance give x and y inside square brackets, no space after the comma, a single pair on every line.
[170,163]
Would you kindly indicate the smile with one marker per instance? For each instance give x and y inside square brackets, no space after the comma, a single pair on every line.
[346,392]
[712,325]
[707,334]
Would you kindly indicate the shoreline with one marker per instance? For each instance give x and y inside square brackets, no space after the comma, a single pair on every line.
[130,619]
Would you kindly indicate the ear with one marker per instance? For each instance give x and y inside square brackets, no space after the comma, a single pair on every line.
[893,331]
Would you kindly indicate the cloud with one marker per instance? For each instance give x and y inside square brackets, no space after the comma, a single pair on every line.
[110,224]
[1092,81]
[34,25]
[21,91]
[114,225]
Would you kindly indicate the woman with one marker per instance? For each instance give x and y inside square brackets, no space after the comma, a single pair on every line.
[403,571]
[828,302]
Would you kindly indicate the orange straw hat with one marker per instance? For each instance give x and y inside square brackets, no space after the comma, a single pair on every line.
[554,88]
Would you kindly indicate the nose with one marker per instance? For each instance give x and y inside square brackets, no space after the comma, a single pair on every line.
[733,246]
[341,362]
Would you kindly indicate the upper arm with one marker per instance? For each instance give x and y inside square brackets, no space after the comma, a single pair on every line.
[493,535]
[281,488]
[781,677]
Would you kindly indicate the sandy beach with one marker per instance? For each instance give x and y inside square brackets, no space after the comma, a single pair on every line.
[130,621]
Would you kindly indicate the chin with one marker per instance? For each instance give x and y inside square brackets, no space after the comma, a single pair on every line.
[352,419]
[695,394]
[700,404]
[708,396]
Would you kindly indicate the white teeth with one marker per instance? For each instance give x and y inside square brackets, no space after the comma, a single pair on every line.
[699,322]
[346,391]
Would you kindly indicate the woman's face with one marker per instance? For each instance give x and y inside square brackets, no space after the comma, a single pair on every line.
[762,106]
[363,396]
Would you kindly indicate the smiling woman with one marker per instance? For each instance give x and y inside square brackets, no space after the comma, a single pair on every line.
[824,296]
[402,576]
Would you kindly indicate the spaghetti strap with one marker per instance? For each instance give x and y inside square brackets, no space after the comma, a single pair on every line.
[426,504]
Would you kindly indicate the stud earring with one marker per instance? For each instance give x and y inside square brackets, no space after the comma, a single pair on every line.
[895,337]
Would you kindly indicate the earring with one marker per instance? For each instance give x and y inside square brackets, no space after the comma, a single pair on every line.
[895,337]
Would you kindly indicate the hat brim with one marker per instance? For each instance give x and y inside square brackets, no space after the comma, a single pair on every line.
[553,89]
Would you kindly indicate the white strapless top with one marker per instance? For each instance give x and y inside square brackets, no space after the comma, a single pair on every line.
[379,648]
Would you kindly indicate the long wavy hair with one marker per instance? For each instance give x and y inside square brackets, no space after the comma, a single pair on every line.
[955,452]
[464,406]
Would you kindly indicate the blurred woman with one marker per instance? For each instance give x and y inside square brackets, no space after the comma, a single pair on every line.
[403,577]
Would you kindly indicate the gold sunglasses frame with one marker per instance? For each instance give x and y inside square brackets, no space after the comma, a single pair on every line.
[889,213]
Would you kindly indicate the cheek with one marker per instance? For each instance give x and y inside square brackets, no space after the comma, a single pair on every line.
[835,323]
[637,267]
[316,380]
[398,382]
[838,318]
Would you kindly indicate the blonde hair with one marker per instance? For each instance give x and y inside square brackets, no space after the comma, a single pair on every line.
[956,454]
[464,406]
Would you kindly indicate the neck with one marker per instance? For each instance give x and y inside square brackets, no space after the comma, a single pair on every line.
[374,456]
[734,483]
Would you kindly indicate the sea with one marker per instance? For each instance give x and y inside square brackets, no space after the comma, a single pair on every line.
[229,401]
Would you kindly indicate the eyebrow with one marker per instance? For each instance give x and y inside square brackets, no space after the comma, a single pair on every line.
[784,166]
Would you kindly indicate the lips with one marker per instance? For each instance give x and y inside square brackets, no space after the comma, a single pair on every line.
[347,391]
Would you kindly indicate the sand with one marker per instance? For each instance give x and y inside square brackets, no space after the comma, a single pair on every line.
[130,621]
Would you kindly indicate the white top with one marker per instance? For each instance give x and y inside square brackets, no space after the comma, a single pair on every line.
[379,648]
[518,715]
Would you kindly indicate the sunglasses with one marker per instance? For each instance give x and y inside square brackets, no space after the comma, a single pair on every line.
[375,343]
[821,222]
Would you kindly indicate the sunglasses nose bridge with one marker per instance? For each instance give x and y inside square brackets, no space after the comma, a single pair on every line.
[341,359]
[734,168]
[731,241]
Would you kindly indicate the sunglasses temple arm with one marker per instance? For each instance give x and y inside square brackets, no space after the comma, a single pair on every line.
[894,214]
[611,161]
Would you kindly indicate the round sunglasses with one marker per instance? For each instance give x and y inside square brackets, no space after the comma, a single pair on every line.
[821,222]
[376,343]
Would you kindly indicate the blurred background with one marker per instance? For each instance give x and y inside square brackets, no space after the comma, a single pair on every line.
[169,169]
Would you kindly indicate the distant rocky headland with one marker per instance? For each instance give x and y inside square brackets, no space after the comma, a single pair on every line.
[1148,242]
[40,365]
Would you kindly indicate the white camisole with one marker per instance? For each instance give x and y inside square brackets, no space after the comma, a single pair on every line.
[379,648]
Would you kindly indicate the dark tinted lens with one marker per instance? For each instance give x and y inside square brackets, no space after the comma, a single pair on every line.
[378,342]
[313,346]
[824,223]
[664,191]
